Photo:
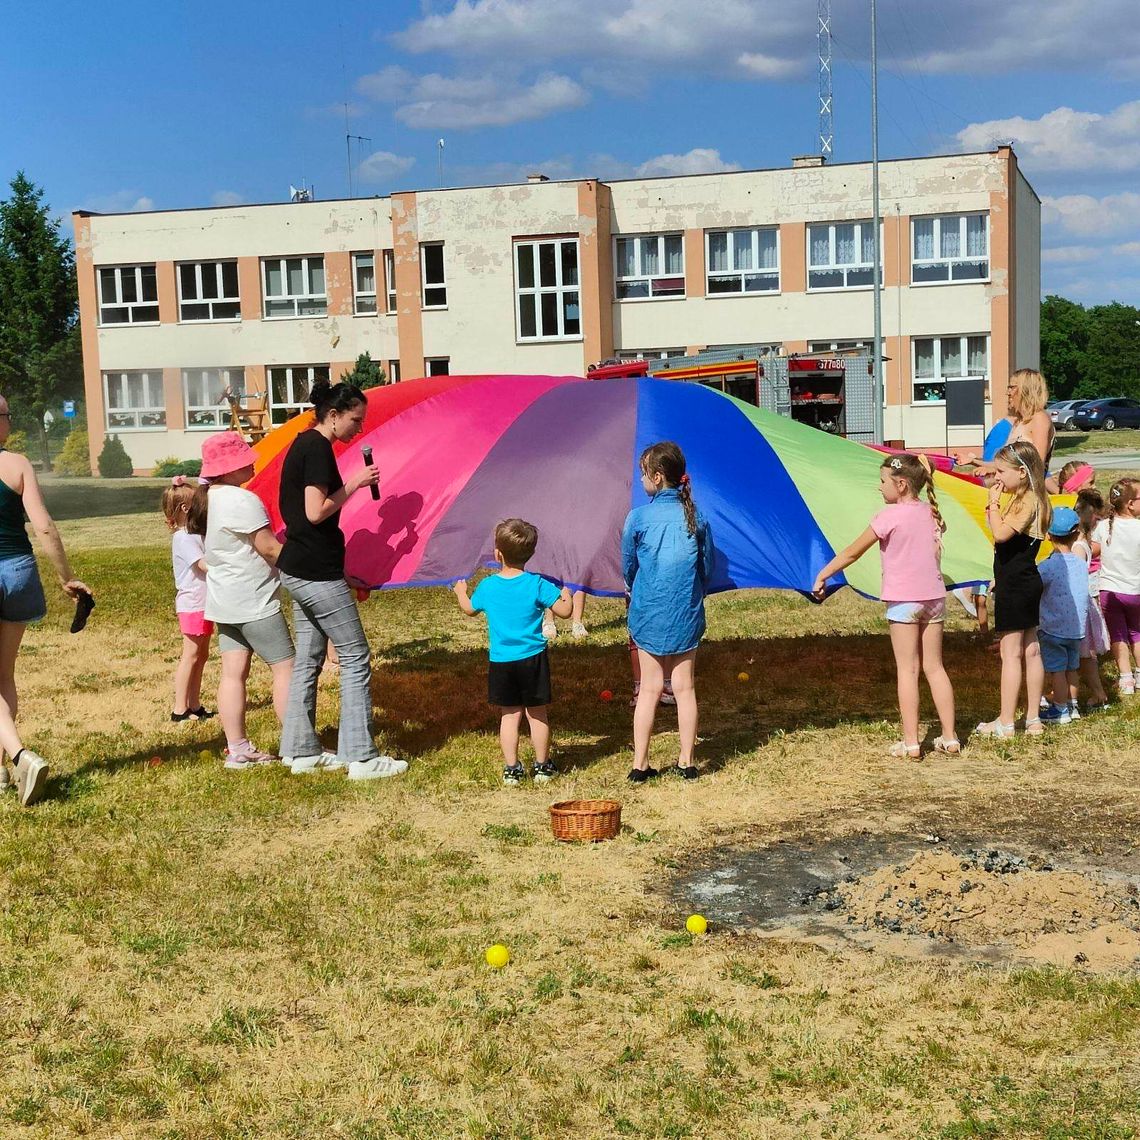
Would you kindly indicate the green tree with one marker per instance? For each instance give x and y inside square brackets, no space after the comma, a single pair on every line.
[75,458]
[1112,355]
[365,373]
[1064,339]
[114,462]
[40,359]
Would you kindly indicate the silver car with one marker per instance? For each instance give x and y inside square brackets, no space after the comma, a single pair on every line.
[1061,412]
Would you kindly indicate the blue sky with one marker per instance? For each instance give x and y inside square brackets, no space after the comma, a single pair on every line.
[135,105]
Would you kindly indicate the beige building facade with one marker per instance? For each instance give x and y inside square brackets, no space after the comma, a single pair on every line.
[553,276]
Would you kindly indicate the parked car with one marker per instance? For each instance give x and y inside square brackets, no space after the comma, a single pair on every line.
[1061,412]
[1108,414]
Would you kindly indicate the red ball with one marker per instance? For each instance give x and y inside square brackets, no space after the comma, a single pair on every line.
[362,595]
[606,695]
[155,761]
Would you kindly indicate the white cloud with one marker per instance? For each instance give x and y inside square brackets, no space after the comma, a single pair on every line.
[1086,216]
[467,101]
[227,198]
[119,202]
[1069,254]
[1065,140]
[699,160]
[1128,249]
[382,166]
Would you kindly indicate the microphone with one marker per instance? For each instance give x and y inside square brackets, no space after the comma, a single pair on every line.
[366,452]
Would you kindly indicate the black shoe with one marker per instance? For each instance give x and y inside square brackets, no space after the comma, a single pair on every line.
[178,717]
[513,775]
[544,772]
[640,775]
[201,713]
[688,773]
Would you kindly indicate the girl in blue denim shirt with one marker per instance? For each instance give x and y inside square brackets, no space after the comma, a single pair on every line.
[667,559]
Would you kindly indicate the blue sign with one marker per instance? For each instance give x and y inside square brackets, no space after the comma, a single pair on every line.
[69,409]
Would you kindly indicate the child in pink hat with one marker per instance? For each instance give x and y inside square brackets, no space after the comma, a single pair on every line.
[241,589]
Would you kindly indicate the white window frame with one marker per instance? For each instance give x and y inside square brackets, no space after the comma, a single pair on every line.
[153,406]
[629,355]
[425,284]
[648,279]
[362,298]
[201,270]
[309,299]
[844,267]
[430,360]
[818,347]
[306,374]
[117,302]
[561,290]
[940,222]
[940,377]
[215,415]
[727,275]
[390,301]
[393,372]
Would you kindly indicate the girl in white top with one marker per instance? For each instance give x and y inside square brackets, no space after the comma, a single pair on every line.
[1116,541]
[187,552]
[241,588]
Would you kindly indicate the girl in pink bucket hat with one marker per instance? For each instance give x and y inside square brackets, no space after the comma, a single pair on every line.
[241,589]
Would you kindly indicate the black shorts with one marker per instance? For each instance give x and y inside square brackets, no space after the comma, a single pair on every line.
[520,684]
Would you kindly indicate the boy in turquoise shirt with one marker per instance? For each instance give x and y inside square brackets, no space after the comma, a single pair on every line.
[518,679]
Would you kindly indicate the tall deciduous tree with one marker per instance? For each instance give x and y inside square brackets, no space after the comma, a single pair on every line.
[40,361]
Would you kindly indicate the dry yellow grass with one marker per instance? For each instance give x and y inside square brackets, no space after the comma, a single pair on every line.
[192,953]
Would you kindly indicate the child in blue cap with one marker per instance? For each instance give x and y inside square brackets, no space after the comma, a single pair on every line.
[1064,614]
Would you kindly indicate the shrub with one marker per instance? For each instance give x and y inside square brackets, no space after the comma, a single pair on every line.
[365,373]
[114,462]
[75,456]
[167,467]
[18,442]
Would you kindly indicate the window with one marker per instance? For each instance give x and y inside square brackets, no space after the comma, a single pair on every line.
[437,366]
[629,354]
[294,287]
[951,248]
[364,283]
[841,255]
[393,372]
[134,400]
[390,280]
[431,269]
[547,303]
[208,291]
[204,390]
[289,388]
[743,261]
[941,358]
[649,267]
[128,295]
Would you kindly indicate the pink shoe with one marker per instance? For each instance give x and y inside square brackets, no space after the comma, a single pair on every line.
[249,758]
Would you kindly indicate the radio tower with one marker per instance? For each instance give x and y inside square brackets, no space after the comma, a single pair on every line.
[823,40]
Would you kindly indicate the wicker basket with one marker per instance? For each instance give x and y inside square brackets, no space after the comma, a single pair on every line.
[585,821]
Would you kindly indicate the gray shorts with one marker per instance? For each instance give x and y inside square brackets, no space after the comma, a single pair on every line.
[268,637]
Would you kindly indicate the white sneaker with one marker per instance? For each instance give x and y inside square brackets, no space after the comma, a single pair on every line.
[377,768]
[322,762]
[1126,688]
[577,631]
[549,630]
[31,777]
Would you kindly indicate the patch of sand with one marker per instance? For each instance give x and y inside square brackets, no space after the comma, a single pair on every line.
[987,899]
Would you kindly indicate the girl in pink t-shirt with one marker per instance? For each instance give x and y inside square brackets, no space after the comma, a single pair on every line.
[909,534]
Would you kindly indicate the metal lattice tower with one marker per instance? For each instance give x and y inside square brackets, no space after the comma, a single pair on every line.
[823,40]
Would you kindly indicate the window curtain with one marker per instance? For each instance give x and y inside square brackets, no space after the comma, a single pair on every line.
[845,245]
[978,357]
[924,239]
[951,238]
[718,253]
[820,245]
[675,254]
[650,257]
[976,235]
[924,359]
[867,230]
[626,264]
[742,249]
[767,240]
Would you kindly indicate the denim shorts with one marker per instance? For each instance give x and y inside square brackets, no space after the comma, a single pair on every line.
[1059,654]
[21,592]
[917,613]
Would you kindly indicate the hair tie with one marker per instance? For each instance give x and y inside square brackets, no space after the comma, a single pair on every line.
[685,480]
[178,481]
[202,482]
[896,464]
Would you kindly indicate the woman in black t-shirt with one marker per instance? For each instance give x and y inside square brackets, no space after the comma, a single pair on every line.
[311,564]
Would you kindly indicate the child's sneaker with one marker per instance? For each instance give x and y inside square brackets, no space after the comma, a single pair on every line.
[1074,711]
[514,774]
[31,776]
[549,630]
[377,768]
[1127,687]
[321,762]
[1057,715]
[578,631]
[544,773]
[246,758]
[667,697]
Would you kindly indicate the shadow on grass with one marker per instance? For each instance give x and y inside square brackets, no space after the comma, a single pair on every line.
[94,498]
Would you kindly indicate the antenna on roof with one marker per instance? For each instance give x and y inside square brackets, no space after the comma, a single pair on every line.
[823,41]
[348,141]
[441,164]
[304,194]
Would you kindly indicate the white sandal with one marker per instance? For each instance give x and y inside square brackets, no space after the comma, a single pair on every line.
[996,729]
[1034,727]
[951,745]
[904,751]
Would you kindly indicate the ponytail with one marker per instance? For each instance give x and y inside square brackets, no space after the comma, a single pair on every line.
[930,494]
[196,516]
[668,460]
[685,494]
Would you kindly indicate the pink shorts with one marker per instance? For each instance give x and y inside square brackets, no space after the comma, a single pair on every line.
[194,624]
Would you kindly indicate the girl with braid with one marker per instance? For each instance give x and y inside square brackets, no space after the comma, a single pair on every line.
[1116,541]
[667,560]
[908,531]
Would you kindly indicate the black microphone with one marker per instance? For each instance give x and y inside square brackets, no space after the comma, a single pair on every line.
[366,452]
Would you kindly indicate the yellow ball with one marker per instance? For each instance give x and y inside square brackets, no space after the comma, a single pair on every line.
[696,924]
[497,956]
[742,676]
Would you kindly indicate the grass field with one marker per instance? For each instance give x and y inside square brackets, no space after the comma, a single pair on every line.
[1071,443]
[190,953]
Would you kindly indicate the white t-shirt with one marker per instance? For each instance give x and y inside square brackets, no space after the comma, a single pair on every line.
[1119,555]
[240,585]
[185,550]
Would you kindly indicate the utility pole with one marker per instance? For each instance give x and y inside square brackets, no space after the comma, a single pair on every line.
[441,164]
[823,42]
[876,222]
